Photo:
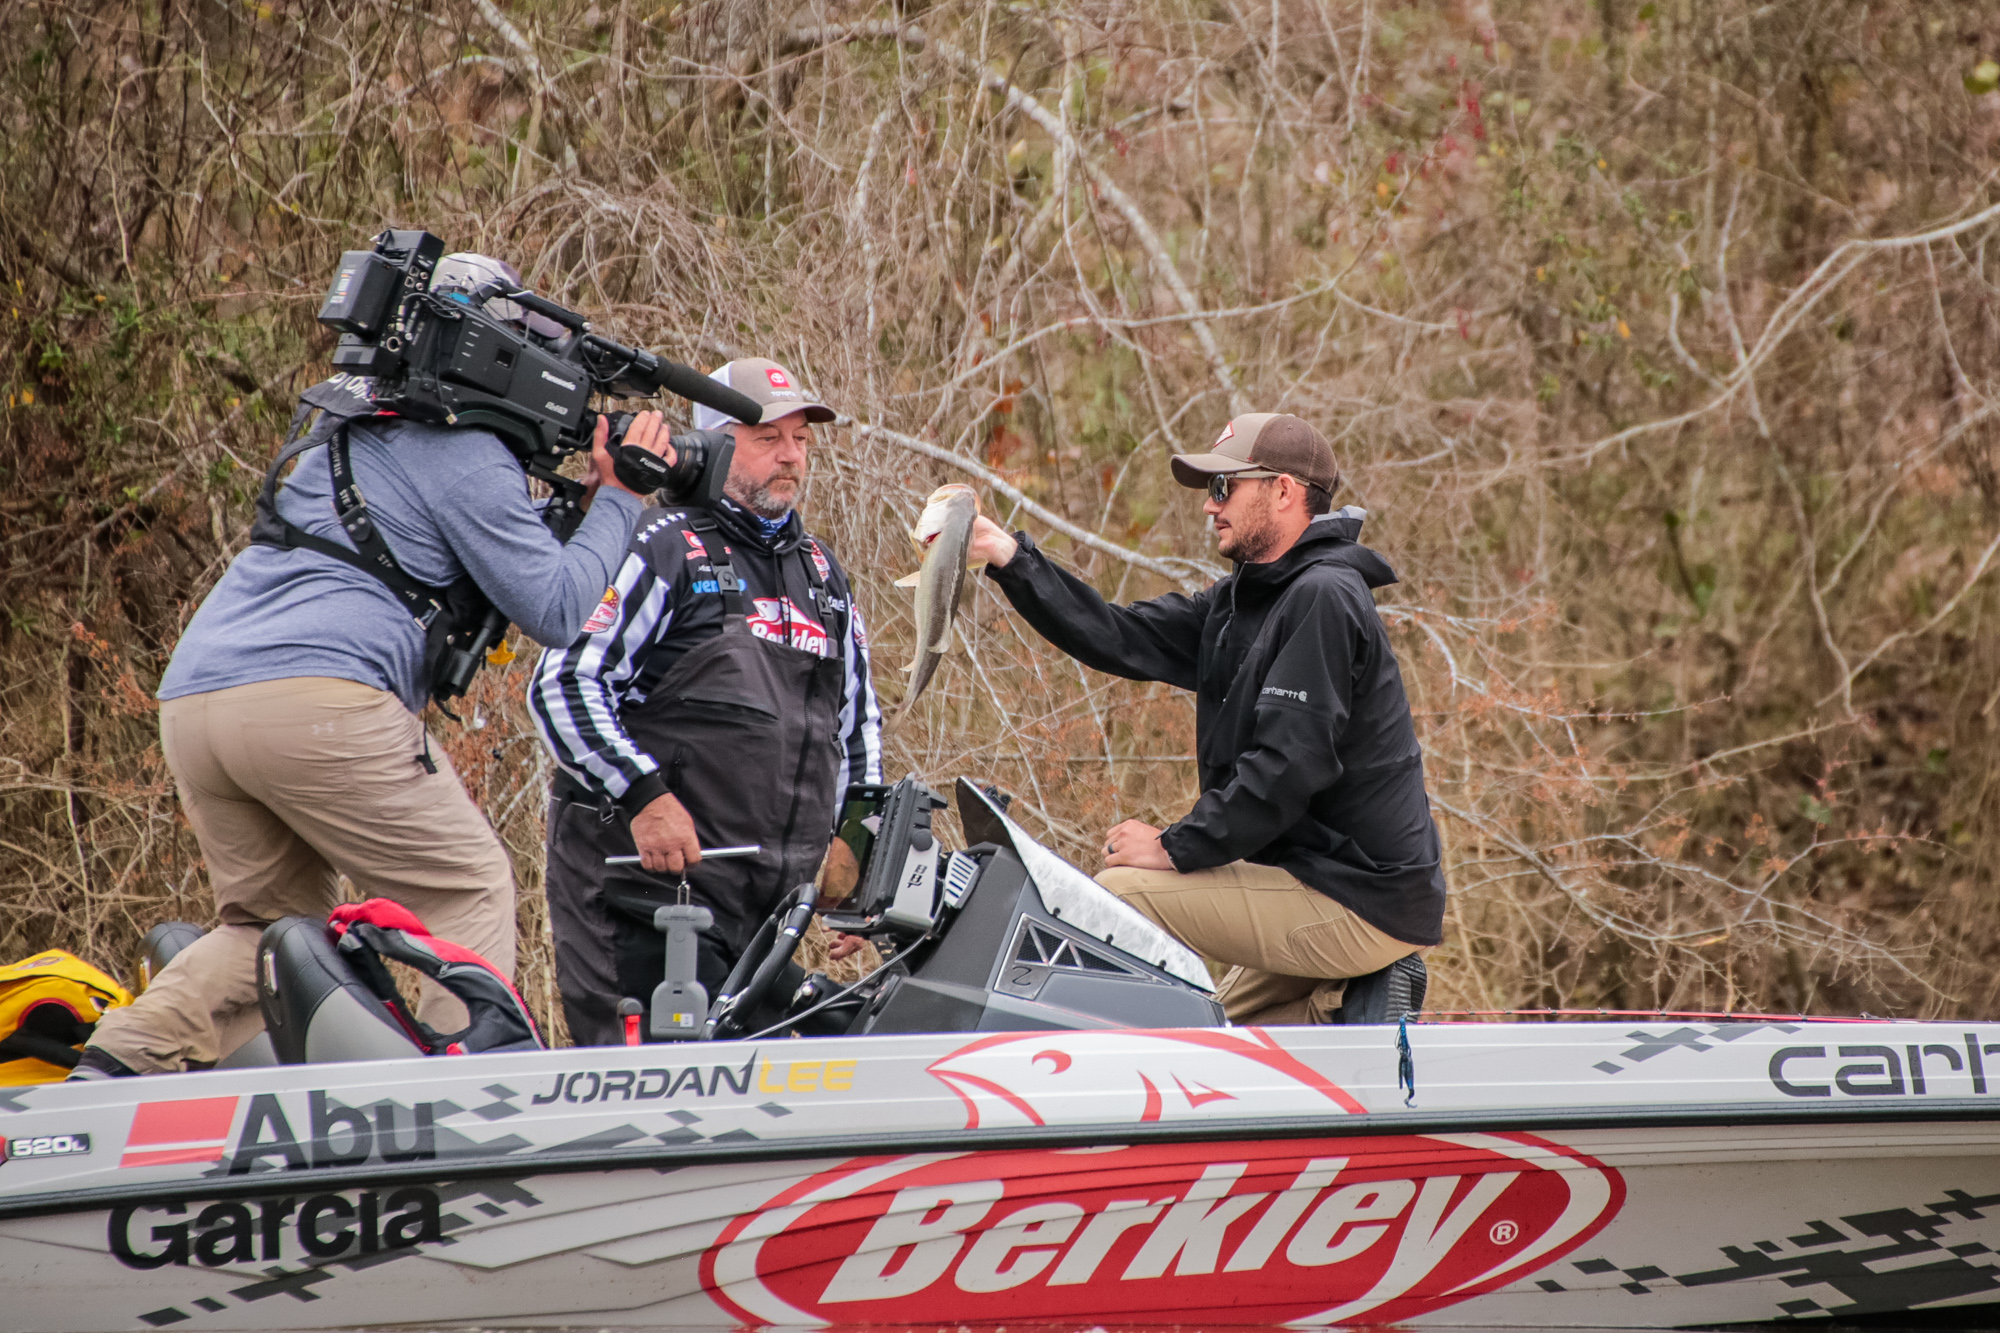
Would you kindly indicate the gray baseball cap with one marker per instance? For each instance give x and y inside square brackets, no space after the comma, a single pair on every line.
[767,384]
[464,273]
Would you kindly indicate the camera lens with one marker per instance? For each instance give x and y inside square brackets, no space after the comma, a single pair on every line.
[697,474]
[701,466]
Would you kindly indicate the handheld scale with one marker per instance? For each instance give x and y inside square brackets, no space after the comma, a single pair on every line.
[680,1002]
[679,1010]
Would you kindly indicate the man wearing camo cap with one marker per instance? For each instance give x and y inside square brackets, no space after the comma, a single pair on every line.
[1311,856]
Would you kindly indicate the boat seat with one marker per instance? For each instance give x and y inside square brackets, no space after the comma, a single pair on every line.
[164,943]
[378,929]
[316,1009]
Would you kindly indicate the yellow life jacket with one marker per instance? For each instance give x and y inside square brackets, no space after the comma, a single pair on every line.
[48,1006]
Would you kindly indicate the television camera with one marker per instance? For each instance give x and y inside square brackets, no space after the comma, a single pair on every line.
[447,358]
[502,359]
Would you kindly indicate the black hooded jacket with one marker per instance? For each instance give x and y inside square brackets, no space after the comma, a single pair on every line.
[1308,757]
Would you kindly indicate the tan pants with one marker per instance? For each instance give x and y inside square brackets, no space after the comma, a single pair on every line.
[288,784]
[1292,946]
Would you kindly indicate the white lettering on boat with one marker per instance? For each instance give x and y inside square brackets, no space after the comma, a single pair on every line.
[1392,1227]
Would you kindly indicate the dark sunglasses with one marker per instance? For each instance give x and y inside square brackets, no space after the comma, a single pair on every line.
[1219,484]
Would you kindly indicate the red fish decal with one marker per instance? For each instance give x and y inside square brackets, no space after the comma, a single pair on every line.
[1038,1078]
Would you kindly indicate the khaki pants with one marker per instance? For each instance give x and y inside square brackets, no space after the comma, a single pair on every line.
[1292,946]
[288,784]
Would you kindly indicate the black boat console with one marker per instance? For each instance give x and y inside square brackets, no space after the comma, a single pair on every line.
[1009,963]
[1002,936]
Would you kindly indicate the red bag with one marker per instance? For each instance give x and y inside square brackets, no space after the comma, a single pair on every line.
[382,928]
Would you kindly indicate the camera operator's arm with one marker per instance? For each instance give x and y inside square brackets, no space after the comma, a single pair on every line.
[542,585]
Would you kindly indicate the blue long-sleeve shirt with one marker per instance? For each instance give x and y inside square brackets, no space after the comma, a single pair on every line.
[449,502]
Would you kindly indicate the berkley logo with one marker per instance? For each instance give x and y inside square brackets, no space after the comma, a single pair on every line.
[772,615]
[1324,1231]
[1310,1232]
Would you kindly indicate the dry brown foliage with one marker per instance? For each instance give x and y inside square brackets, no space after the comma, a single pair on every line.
[1659,340]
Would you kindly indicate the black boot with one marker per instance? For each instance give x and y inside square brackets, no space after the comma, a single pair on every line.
[95,1064]
[1385,996]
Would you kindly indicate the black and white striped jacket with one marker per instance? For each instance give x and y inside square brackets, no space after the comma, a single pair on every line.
[663,602]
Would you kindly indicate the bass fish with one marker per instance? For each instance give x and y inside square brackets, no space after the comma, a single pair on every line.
[944,535]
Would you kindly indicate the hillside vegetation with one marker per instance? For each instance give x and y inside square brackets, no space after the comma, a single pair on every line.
[1659,340]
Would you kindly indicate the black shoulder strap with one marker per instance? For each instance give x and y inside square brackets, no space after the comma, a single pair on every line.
[810,554]
[808,545]
[459,622]
[726,582]
[269,528]
[370,553]
[323,408]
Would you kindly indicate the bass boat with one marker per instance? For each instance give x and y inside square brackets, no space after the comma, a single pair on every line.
[1032,1113]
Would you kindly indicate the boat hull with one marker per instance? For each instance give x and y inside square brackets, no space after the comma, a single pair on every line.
[1100,1177]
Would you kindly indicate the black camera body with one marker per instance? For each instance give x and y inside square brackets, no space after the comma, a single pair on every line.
[703,455]
[441,357]
[444,358]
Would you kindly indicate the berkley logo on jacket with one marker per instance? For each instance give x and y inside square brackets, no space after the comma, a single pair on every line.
[775,614]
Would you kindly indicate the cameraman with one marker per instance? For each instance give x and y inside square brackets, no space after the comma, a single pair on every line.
[692,715]
[288,714]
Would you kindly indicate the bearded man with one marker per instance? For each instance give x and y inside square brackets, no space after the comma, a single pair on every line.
[718,696]
[1311,856]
